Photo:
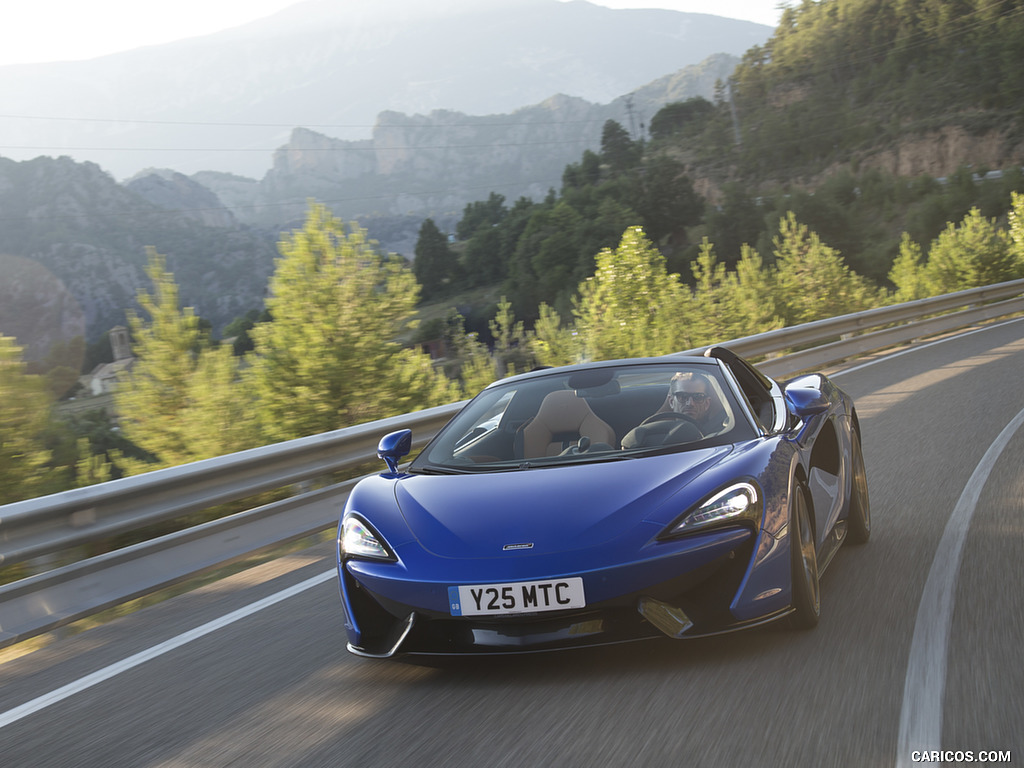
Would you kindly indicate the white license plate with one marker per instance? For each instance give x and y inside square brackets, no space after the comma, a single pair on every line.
[518,597]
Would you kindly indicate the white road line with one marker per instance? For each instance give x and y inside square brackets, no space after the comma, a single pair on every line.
[919,347]
[48,699]
[921,714]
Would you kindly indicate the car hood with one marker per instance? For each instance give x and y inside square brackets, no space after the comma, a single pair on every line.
[549,510]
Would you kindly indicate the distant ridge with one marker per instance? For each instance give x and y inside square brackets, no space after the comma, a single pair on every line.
[225,102]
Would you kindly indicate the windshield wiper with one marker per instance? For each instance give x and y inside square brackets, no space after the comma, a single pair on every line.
[434,469]
[595,458]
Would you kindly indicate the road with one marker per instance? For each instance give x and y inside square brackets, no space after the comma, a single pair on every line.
[274,686]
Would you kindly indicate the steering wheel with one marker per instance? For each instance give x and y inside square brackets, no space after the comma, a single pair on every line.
[668,416]
[661,431]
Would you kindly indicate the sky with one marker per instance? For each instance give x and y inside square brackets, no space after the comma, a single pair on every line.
[69,30]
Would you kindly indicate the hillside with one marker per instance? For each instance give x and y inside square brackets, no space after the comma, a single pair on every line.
[921,87]
[74,251]
[864,120]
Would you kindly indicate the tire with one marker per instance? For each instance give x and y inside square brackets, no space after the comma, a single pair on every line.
[805,588]
[858,520]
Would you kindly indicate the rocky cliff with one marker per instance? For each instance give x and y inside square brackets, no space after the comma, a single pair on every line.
[434,164]
[73,250]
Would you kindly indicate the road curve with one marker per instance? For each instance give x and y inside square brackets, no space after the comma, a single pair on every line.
[274,686]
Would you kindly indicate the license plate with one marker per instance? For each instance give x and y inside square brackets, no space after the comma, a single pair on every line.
[518,597]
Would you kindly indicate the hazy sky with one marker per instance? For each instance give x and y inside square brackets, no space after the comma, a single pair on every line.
[62,30]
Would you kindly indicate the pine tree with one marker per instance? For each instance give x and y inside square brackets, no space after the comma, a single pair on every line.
[181,401]
[632,306]
[331,356]
[812,279]
[752,296]
[907,272]
[711,319]
[553,344]
[971,254]
[152,396]
[435,265]
[1017,230]
[24,471]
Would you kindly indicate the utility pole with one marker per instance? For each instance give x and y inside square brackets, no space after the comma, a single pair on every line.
[632,117]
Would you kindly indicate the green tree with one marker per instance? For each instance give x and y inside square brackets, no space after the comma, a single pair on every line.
[735,222]
[687,118]
[220,416]
[481,214]
[632,306]
[712,316]
[812,279]
[552,343]
[907,272]
[1016,233]
[180,401]
[435,265]
[24,471]
[151,397]
[511,343]
[481,259]
[586,173]
[91,468]
[557,251]
[238,330]
[753,298]
[669,202]
[971,254]
[618,150]
[331,358]
[474,366]
[729,304]
[545,256]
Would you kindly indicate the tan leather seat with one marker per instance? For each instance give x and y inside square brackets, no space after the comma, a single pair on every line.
[562,419]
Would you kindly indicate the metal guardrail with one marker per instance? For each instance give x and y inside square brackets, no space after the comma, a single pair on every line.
[43,526]
[837,338]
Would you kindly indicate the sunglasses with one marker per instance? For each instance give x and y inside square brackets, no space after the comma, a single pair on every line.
[697,397]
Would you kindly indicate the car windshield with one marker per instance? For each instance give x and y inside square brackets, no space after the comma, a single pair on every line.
[599,413]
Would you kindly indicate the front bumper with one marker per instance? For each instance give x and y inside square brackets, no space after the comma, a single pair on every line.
[689,593]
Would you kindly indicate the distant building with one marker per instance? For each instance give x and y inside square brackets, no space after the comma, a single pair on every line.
[103,378]
[120,343]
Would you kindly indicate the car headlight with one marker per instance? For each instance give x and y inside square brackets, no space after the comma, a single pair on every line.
[737,503]
[358,539]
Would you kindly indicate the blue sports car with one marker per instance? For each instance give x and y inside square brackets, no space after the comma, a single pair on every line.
[605,502]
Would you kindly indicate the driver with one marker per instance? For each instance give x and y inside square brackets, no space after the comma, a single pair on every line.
[685,416]
[689,394]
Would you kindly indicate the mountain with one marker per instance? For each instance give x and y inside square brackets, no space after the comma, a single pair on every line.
[73,250]
[435,164]
[224,102]
[73,239]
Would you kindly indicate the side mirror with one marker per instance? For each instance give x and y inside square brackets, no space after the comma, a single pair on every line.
[393,446]
[804,403]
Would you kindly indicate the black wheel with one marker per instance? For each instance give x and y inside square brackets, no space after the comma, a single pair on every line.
[805,588]
[858,521]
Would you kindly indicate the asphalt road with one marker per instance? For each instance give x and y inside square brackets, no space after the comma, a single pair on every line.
[277,688]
